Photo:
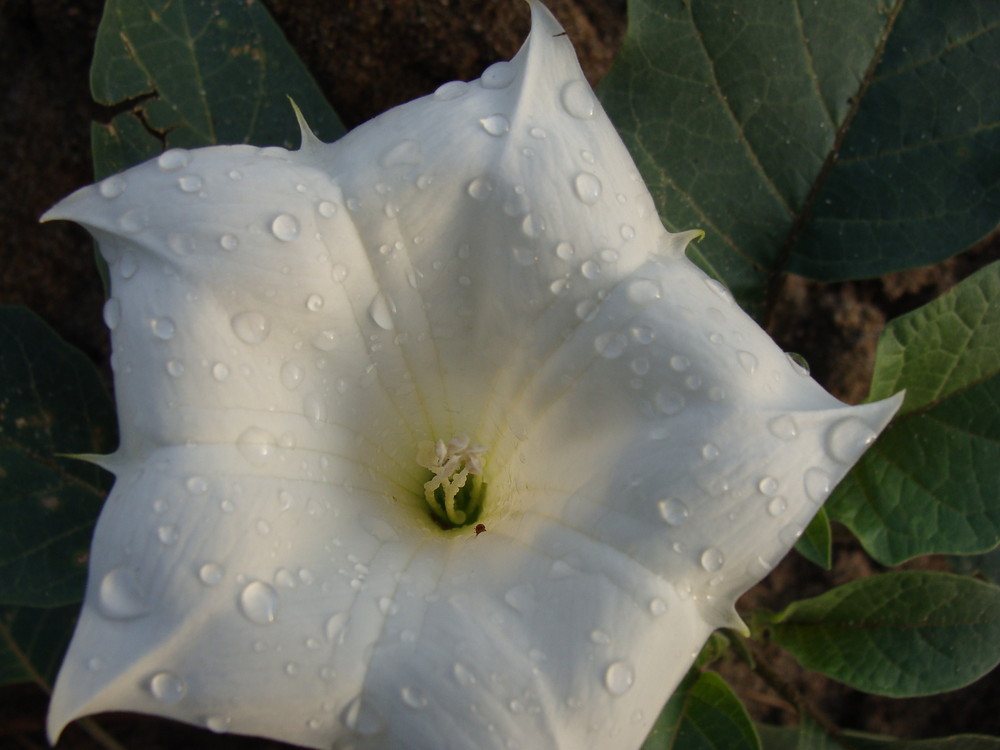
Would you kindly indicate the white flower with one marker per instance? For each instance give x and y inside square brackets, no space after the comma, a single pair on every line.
[468,303]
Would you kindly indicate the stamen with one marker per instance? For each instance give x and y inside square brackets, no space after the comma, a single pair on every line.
[451,464]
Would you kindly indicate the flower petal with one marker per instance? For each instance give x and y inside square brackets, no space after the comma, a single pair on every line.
[290,327]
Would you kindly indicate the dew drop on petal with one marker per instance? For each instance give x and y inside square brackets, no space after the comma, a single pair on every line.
[163,328]
[643,291]
[463,676]
[668,401]
[590,269]
[847,438]
[777,506]
[524,256]
[407,151]
[220,371]
[679,363]
[798,363]
[451,90]
[533,225]
[251,327]
[538,133]
[657,607]
[619,677]
[361,717]
[167,687]
[600,638]
[521,597]
[381,311]
[709,452]
[167,534]
[217,723]
[120,596]
[587,187]
[747,361]
[768,486]
[292,375]
[673,511]
[112,313]
[175,368]
[720,290]
[210,574]
[196,485]
[610,345]
[783,427]
[577,100]
[496,125]
[128,265]
[712,560]
[257,446]
[173,159]
[480,188]
[817,484]
[259,603]
[112,187]
[285,227]
[565,251]
[325,340]
[229,242]
[314,303]
[627,232]
[190,183]
[499,75]
[326,209]
[412,697]
[339,272]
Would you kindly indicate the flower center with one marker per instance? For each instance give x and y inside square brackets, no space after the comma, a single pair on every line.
[454,493]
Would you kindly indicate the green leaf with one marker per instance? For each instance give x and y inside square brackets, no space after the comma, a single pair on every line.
[52,402]
[816,543]
[703,714]
[32,642]
[930,484]
[835,140]
[197,74]
[793,738]
[899,634]
[988,565]
[808,735]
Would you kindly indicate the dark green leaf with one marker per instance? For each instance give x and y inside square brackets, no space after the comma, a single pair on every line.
[987,565]
[197,74]
[930,484]
[703,714]
[898,634]
[792,738]
[52,402]
[775,128]
[816,543]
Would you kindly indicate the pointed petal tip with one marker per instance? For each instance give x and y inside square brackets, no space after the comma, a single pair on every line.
[308,141]
[721,613]
[542,20]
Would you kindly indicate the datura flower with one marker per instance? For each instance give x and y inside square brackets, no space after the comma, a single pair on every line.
[431,438]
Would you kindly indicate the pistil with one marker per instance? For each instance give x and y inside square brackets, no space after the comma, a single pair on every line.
[454,492]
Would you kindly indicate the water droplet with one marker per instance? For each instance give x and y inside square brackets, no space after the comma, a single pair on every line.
[712,560]
[167,534]
[587,187]
[747,361]
[463,676]
[314,408]
[619,677]
[259,603]
[657,607]
[112,313]
[642,334]
[643,291]
[709,452]
[640,366]
[847,438]
[450,90]
[600,638]
[783,427]
[120,596]
[627,232]
[381,311]
[128,265]
[163,328]
[217,723]
[314,303]
[817,484]
[251,327]
[777,506]
[325,340]
[339,272]
[361,717]
[291,669]
[257,446]
[565,251]
[167,687]
[292,375]
[679,363]
[196,485]
[480,189]
[720,290]
[407,151]
[112,187]
[668,401]
[533,225]
[190,183]
[559,286]
[175,368]
[496,125]
[132,221]
[211,574]
[610,345]
[768,486]
[499,75]
[326,209]
[538,133]
[521,597]
[229,242]
[285,227]
[220,371]
[173,159]
[577,100]
[413,698]
[590,269]
[673,511]
[798,363]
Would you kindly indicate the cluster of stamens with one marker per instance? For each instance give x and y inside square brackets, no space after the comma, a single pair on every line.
[451,464]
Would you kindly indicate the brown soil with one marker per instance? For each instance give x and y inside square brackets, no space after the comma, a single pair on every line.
[369,55]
